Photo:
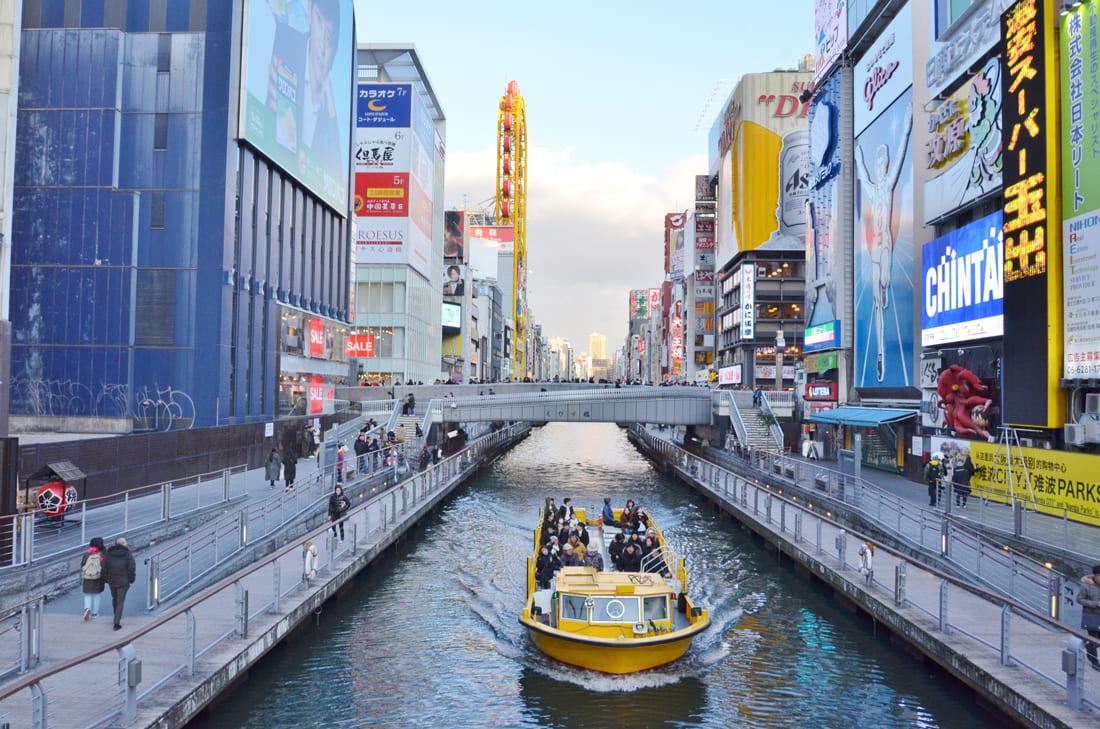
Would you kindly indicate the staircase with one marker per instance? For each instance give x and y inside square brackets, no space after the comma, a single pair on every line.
[759,434]
[412,443]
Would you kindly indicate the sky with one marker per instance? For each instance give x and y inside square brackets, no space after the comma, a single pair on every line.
[620,97]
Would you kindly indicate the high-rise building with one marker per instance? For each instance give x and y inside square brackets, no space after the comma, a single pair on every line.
[181,224]
[597,346]
[399,274]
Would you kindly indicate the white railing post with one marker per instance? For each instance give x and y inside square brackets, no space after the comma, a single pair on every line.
[1073,663]
[129,676]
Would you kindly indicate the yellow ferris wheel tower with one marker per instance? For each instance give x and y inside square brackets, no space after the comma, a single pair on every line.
[512,210]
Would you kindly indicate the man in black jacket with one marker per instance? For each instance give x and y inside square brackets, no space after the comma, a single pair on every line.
[338,504]
[119,571]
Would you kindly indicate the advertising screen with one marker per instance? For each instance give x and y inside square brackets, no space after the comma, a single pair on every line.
[825,274]
[961,391]
[452,316]
[830,34]
[884,249]
[454,283]
[823,336]
[297,90]
[674,243]
[1081,190]
[963,284]
[454,241]
[485,242]
[963,155]
[1032,219]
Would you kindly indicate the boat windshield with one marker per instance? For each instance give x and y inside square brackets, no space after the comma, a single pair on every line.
[655,607]
[616,609]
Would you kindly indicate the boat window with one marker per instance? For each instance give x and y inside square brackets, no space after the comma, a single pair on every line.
[572,607]
[618,609]
[655,607]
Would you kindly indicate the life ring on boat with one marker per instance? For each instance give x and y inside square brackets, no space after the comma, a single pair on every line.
[309,556]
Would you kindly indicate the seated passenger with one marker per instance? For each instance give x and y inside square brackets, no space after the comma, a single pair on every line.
[608,514]
[565,512]
[650,532]
[630,560]
[615,548]
[545,567]
[626,521]
[548,532]
[553,544]
[592,558]
[578,548]
[582,534]
[569,557]
[641,517]
[656,563]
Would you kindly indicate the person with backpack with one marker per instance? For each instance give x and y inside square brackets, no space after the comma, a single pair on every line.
[119,571]
[91,572]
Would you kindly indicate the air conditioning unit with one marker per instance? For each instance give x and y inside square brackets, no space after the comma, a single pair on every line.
[1074,434]
[1092,430]
[1092,404]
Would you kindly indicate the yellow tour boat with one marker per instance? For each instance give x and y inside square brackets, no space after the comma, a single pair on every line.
[609,621]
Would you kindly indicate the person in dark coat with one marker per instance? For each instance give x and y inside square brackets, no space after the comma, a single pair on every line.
[960,480]
[615,549]
[630,560]
[425,458]
[92,587]
[290,468]
[338,505]
[119,572]
[361,447]
[272,467]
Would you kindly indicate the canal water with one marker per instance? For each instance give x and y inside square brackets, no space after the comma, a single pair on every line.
[430,637]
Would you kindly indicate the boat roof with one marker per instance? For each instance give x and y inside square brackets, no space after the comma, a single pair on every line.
[586,580]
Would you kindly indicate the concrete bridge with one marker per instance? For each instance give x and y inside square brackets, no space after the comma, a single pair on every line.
[711,412]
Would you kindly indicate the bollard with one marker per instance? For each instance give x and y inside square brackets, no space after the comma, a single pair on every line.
[242,610]
[189,644]
[1017,518]
[354,537]
[820,550]
[797,527]
[276,580]
[165,502]
[899,585]
[945,538]
[1006,617]
[1073,663]
[767,508]
[841,548]
[242,529]
[944,623]
[129,676]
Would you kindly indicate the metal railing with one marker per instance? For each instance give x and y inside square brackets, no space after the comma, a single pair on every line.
[736,420]
[250,601]
[780,398]
[804,524]
[39,537]
[925,530]
[773,420]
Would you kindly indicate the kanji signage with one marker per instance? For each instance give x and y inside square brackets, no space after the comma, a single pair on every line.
[1031,218]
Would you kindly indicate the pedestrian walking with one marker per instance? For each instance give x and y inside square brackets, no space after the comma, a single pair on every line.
[1088,597]
[338,504]
[119,571]
[933,472]
[361,448]
[91,573]
[273,468]
[960,480]
[341,454]
[290,468]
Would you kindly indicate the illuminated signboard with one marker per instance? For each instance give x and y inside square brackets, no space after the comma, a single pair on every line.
[452,316]
[359,345]
[704,235]
[654,302]
[1081,190]
[963,287]
[316,394]
[748,302]
[820,391]
[823,336]
[641,346]
[729,375]
[677,338]
[1032,219]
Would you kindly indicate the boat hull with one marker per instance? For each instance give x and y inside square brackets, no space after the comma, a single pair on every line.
[617,657]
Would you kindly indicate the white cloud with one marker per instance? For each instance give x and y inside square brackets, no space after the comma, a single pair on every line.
[594,231]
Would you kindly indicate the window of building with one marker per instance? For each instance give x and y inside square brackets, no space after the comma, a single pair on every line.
[157,213]
[160,132]
[164,53]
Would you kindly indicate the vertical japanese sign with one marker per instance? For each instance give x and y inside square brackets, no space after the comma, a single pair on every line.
[1032,215]
[677,340]
[748,301]
[638,299]
[383,149]
[654,305]
[1080,71]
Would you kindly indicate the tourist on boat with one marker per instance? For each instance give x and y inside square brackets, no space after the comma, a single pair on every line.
[648,546]
[641,519]
[615,549]
[650,532]
[545,567]
[582,534]
[592,558]
[626,521]
[608,514]
[569,557]
[630,560]
[553,544]
[566,513]
[549,532]
[578,548]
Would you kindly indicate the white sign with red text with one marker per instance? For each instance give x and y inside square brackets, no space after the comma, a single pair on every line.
[884,72]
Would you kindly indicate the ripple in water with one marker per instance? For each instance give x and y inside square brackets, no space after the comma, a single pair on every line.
[432,636]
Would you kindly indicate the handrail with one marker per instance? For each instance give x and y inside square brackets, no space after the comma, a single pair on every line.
[932,569]
[773,425]
[738,421]
[190,603]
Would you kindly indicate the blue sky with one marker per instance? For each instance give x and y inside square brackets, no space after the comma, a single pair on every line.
[614,92]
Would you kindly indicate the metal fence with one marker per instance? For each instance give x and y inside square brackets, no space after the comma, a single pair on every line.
[929,531]
[122,675]
[957,606]
[39,537]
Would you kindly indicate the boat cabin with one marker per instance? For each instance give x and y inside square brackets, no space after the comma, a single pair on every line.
[608,604]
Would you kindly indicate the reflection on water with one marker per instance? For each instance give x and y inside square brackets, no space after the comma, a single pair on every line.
[431,637]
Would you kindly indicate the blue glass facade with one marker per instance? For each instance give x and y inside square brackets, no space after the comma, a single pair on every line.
[152,253]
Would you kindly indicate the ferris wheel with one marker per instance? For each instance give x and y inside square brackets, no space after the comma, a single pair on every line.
[511,209]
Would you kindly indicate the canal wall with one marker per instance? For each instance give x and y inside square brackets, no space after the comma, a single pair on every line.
[1008,655]
[164,668]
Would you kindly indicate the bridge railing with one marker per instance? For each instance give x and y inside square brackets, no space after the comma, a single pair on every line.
[116,682]
[773,420]
[948,603]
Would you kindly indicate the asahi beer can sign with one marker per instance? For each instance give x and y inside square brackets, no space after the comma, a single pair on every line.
[794,177]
